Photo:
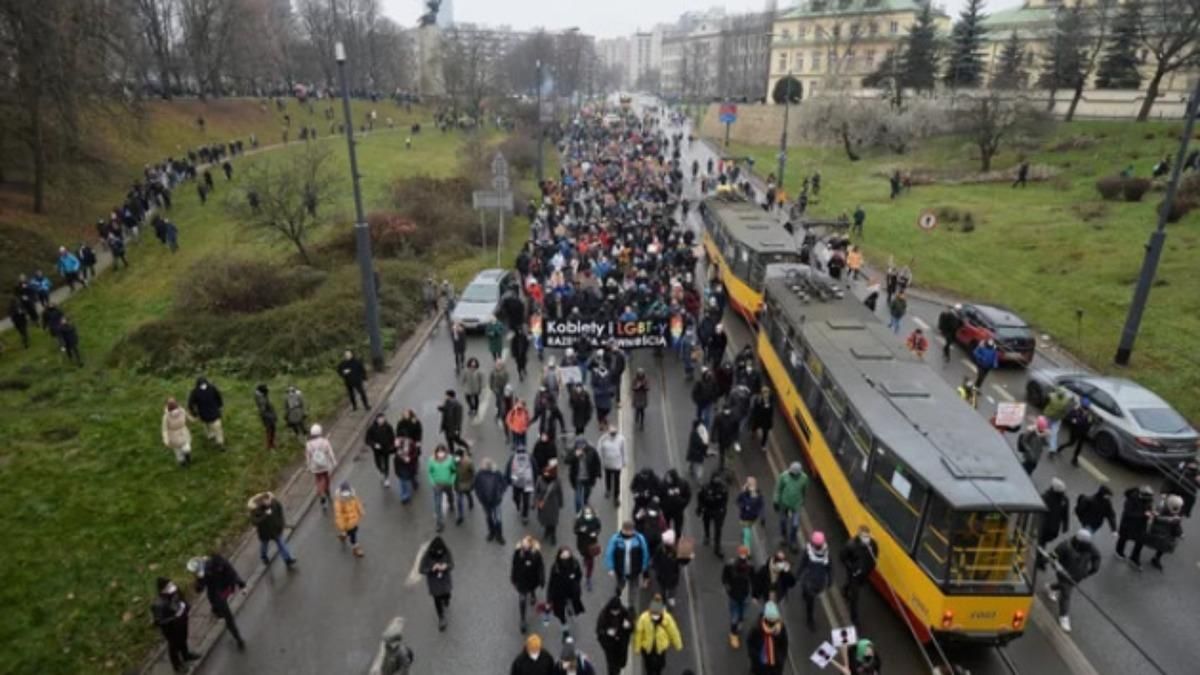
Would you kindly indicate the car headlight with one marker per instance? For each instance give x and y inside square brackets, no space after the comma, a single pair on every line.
[1148,443]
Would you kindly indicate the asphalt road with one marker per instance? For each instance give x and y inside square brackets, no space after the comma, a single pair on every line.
[327,615]
[1130,621]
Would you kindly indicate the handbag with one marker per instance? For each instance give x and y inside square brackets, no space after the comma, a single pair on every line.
[593,549]
[685,548]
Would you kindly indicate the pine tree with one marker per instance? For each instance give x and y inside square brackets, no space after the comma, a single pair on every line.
[920,65]
[1010,74]
[1119,68]
[965,66]
[1063,63]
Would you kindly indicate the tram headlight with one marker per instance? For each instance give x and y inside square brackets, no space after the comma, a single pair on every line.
[947,618]
[1018,620]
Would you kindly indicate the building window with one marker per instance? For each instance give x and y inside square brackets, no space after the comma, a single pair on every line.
[894,27]
[786,34]
[816,62]
[870,58]
[798,62]
[783,61]
[873,28]
[801,30]
[837,30]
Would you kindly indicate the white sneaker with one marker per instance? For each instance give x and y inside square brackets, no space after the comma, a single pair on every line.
[386,482]
[1051,593]
[737,447]
[671,602]
[1065,623]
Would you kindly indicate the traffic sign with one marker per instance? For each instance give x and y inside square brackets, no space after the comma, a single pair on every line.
[499,165]
[927,220]
[500,183]
[728,113]
[492,199]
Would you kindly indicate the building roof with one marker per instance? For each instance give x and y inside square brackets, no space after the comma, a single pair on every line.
[1028,22]
[820,8]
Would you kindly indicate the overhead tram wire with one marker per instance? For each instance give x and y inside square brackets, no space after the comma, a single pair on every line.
[1057,567]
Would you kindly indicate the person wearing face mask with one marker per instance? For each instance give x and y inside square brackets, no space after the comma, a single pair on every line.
[320,461]
[587,540]
[565,587]
[436,565]
[205,403]
[790,488]
[676,495]
[573,661]
[711,504]
[774,578]
[614,628]
[667,564]
[858,556]
[348,513]
[816,575]
[527,575]
[549,499]
[170,613]
[767,643]
[218,580]
[655,634]
[611,447]
[533,660]
[382,441]
[1076,559]
[738,579]
[627,555]
[862,658]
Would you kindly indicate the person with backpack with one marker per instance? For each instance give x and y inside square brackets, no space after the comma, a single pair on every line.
[320,462]
[527,574]
[1096,509]
[790,488]
[489,489]
[697,449]
[394,656]
[1075,560]
[521,473]
[816,575]
[737,577]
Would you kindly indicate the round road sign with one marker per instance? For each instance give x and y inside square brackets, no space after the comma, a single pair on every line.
[927,220]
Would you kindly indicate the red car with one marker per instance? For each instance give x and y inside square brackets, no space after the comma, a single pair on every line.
[1014,338]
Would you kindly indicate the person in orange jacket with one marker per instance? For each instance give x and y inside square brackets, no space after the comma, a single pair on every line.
[347,512]
[917,343]
[854,262]
[517,421]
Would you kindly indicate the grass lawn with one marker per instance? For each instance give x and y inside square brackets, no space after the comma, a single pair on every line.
[1046,251]
[125,144]
[95,507]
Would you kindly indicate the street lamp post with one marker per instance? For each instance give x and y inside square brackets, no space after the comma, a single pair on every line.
[1141,293]
[362,235]
[783,141]
[540,175]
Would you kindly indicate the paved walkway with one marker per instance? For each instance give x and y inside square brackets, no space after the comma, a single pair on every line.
[345,433]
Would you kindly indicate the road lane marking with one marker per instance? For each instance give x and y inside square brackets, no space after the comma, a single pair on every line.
[1077,663]
[414,575]
[1092,469]
[1003,393]
[920,322]
[970,366]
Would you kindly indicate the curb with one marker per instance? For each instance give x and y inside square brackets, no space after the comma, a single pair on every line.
[202,620]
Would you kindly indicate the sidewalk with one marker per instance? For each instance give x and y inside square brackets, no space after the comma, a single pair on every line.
[104,257]
[297,495]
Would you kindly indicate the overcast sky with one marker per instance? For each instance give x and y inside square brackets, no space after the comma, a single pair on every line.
[601,18]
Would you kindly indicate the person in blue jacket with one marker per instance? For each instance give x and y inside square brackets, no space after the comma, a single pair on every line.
[68,267]
[627,555]
[987,359]
[750,509]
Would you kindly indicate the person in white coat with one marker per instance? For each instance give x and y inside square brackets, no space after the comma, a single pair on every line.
[175,432]
[320,460]
[611,447]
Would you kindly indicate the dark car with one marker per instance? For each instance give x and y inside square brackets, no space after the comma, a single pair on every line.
[1014,338]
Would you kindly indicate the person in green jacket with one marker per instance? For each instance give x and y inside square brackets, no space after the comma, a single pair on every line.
[443,474]
[790,487]
[495,337]
[1058,404]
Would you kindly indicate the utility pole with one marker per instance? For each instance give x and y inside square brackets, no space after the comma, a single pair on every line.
[787,104]
[362,235]
[540,177]
[1154,248]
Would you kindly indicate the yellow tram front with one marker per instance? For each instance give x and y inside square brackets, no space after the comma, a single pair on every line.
[953,513]
[742,241]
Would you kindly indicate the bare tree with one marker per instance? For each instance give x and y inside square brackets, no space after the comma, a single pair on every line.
[57,59]
[158,20]
[467,67]
[317,26]
[991,119]
[208,29]
[1097,21]
[1170,32]
[282,199]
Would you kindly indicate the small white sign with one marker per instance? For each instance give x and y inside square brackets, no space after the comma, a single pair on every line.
[901,484]
[1010,414]
[824,655]
[845,636]
[571,375]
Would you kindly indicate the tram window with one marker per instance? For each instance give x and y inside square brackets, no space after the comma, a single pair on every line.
[808,387]
[933,551]
[991,552]
[836,398]
[852,457]
[857,430]
[897,496]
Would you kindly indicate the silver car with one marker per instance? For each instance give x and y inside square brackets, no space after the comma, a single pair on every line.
[480,300]
[1133,423]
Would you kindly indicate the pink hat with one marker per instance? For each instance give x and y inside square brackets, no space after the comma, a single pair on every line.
[817,539]
[1042,423]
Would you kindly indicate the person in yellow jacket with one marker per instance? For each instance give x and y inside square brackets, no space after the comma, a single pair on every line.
[854,262]
[347,512]
[656,633]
